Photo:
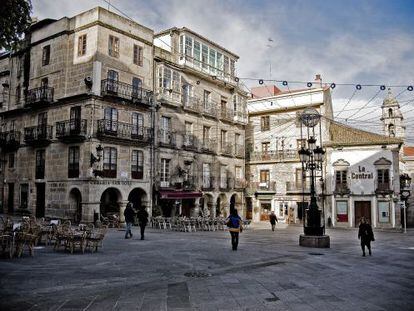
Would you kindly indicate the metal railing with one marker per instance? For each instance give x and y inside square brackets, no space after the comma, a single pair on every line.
[210,109]
[189,141]
[191,103]
[126,91]
[226,114]
[74,127]
[10,137]
[109,128]
[38,133]
[263,186]
[43,94]
[227,149]
[209,145]
[274,155]
[383,187]
[240,117]
[167,138]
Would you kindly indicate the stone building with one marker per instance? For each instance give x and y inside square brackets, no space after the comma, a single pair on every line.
[77,117]
[273,169]
[362,177]
[201,122]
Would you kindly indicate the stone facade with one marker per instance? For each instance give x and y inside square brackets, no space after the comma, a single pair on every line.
[201,125]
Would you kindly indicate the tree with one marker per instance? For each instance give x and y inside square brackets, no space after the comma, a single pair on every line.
[14,21]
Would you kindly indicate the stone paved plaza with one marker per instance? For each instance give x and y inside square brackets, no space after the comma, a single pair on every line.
[199,271]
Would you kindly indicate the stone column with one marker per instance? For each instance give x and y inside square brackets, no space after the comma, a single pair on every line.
[351,212]
[374,211]
[213,209]
[196,209]
[122,206]
[88,211]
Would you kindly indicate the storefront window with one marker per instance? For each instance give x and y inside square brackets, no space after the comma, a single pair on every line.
[383,212]
[342,211]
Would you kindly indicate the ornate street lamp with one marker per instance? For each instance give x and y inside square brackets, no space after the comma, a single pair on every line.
[405,192]
[97,158]
[311,156]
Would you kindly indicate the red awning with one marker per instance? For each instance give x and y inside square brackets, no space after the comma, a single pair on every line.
[180,194]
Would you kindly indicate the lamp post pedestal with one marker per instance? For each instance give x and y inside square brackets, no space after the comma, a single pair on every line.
[317,241]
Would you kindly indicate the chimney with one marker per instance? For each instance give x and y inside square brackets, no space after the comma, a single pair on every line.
[318,79]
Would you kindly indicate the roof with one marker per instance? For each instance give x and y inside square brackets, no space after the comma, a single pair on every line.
[408,151]
[344,135]
[185,29]
[390,99]
[289,93]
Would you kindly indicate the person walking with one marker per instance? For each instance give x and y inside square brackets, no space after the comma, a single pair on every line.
[142,216]
[366,235]
[129,214]
[234,223]
[273,220]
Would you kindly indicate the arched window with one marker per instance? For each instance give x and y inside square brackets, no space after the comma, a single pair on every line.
[391,130]
[390,113]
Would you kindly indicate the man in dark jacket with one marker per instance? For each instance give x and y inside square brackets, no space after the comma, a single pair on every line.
[142,216]
[129,214]
[273,220]
[366,235]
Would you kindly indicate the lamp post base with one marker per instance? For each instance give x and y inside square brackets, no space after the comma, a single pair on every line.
[317,241]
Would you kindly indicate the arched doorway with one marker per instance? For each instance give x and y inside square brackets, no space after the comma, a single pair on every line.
[110,202]
[75,204]
[221,206]
[207,205]
[232,202]
[138,198]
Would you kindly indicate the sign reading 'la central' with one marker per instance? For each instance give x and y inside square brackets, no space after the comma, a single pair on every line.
[362,174]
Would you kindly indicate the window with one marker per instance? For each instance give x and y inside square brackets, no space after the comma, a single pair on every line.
[188,48]
[220,63]
[165,130]
[265,147]
[300,179]
[137,164]
[186,95]
[109,162]
[223,176]
[165,172]
[112,85]
[239,175]
[112,75]
[75,119]
[188,137]
[138,55]
[206,175]
[232,68]
[136,87]
[73,162]
[46,55]
[18,94]
[391,130]
[137,124]
[111,119]
[181,44]
[113,46]
[44,83]
[265,123]
[237,139]
[206,98]
[235,103]
[82,45]
[383,176]
[390,114]
[301,143]
[204,56]
[383,211]
[40,164]
[206,134]
[197,53]
[342,211]
[223,139]
[212,61]
[188,128]
[24,195]
[340,180]
[264,176]
[11,160]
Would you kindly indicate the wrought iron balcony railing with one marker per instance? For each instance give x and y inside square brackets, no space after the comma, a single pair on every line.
[272,155]
[191,103]
[136,95]
[226,114]
[227,149]
[38,134]
[10,140]
[126,131]
[239,150]
[40,95]
[190,141]
[210,109]
[209,145]
[167,138]
[384,187]
[240,117]
[71,129]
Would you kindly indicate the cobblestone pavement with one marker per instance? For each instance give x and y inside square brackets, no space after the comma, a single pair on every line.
[199,271]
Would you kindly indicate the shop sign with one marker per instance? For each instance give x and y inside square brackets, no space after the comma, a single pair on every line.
[111,182]
[362,174]
[57,187]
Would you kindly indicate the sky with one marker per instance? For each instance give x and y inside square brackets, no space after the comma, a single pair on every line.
[353,41]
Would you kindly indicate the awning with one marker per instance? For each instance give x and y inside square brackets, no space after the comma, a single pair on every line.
[180,194]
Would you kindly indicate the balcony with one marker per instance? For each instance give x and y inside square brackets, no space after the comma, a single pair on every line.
[71,131]
[169,96]
[210,109]
[227,149]
[10,141]
[191,103]
[296,187]
[383,188]
[209,145]
[341,189]
[239,183]
[225,184]
[124,91]
[240,117]
[123,132]
[40,96]
[190,142]
[38,136]
[264,186]
[167,138]
[208,183]
[239,151]
[278,155]
[226,114]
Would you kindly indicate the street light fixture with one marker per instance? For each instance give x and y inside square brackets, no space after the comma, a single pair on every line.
[405,192]
[311,157]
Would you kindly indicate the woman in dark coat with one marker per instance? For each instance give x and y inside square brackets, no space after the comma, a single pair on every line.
[366,235]
[234,223]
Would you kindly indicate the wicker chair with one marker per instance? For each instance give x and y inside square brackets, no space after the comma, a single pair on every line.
[94,239]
